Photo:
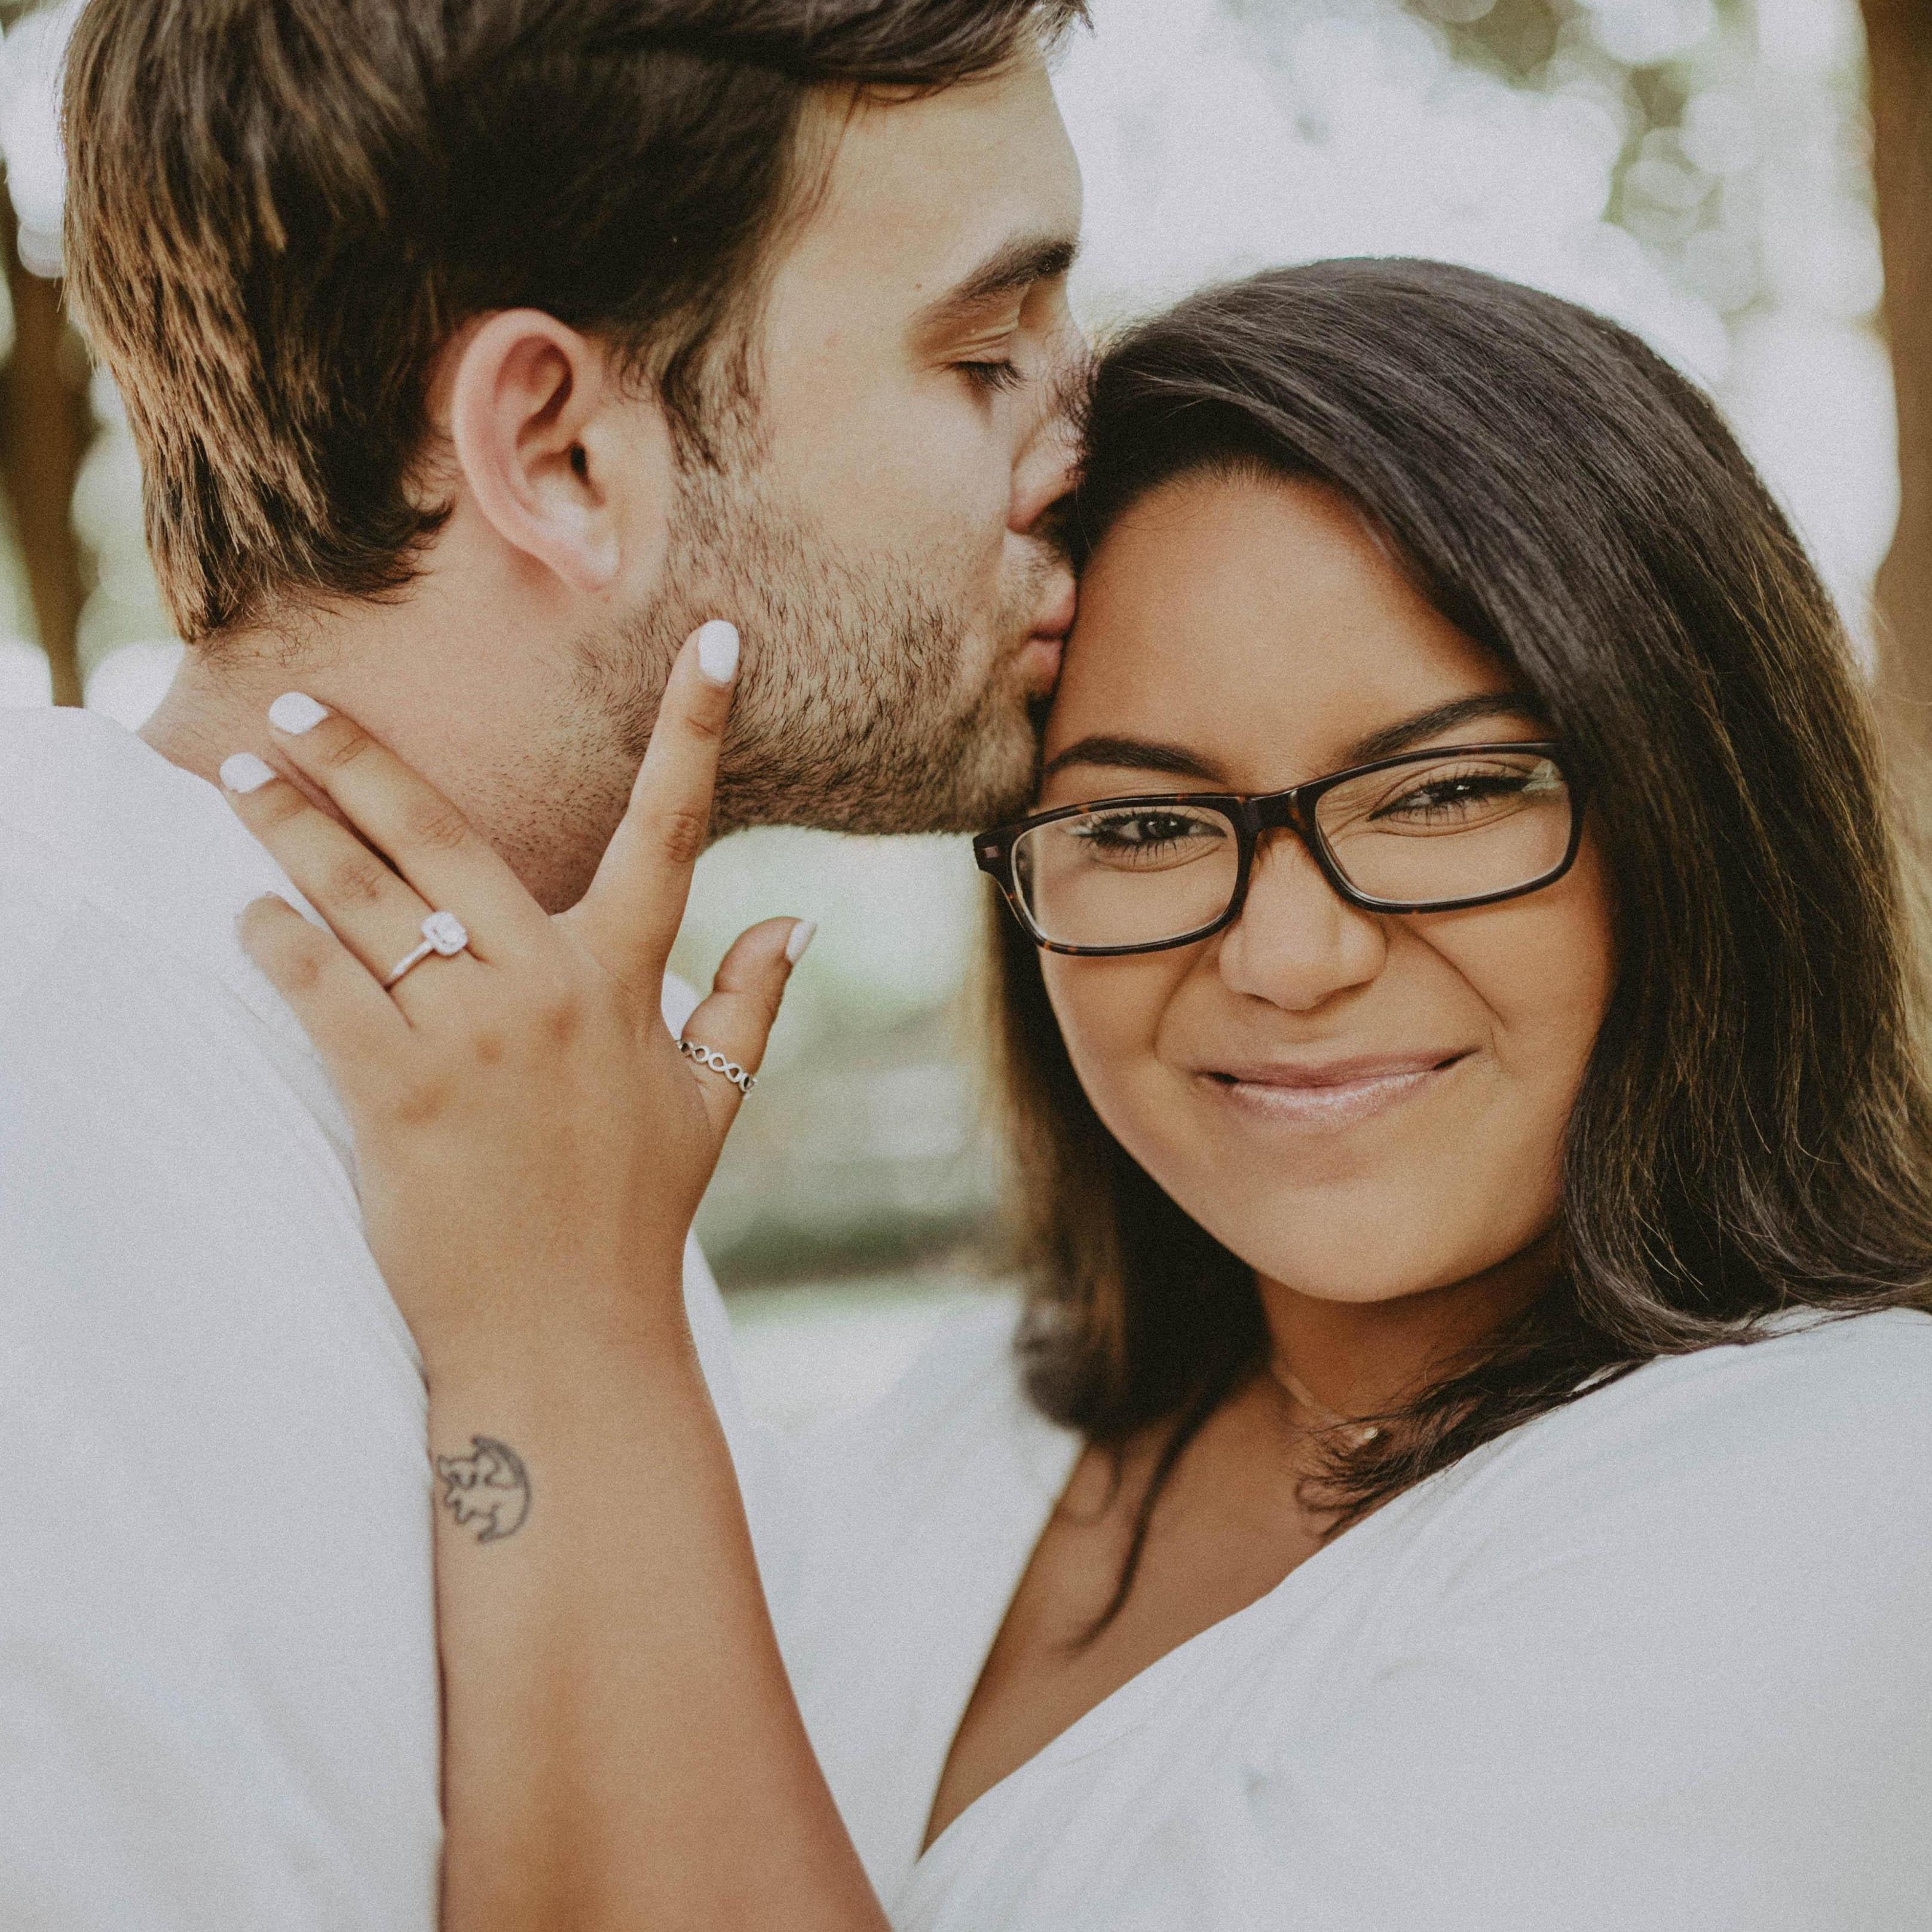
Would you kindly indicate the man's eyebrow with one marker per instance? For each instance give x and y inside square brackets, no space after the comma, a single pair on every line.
[1135,755]
[1012,268]
[1393,740]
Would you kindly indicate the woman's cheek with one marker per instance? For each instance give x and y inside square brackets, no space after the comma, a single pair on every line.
[1110,1013]
[1544,968]
[1549,972]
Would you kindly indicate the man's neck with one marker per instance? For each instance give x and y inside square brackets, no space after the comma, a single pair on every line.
[471,704]
[214,709]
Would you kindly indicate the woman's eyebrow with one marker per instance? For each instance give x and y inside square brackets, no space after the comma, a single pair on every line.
[1136,755]
[1392,740]
[1150,754]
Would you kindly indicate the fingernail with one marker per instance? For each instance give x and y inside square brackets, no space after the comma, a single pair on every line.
[718,651]
[245,772]
[802,934]
[294,712]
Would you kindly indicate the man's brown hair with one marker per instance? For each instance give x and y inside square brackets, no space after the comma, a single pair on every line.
[281,210]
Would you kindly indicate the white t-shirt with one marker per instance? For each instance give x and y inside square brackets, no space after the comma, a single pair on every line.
[218,1649]
[1660,1661]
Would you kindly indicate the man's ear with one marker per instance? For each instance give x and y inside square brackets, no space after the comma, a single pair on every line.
[532,405]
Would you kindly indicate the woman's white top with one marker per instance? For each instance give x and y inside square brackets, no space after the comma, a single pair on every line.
[1660,1661]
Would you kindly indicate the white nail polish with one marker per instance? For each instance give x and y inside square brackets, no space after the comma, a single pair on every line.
[802,934]
[294,712]
[718,651]
[245,772]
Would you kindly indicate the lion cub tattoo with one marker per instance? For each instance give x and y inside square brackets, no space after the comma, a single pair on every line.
[488,1490]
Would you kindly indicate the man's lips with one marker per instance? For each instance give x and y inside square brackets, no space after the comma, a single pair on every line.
[1039,659]
[1056,619]
[1329,1093]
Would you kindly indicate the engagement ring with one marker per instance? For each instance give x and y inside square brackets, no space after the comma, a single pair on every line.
[443,934]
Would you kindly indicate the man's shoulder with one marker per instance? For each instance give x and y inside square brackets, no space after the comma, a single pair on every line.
[211,1410]
[39,916]
[98,832]
[122,983]
[43,788]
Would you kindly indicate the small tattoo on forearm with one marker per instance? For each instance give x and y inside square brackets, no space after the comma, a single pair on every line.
[488,1490]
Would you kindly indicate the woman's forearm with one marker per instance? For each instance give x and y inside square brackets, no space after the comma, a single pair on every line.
[621,1745]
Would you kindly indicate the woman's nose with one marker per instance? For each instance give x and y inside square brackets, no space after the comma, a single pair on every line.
[1297,943]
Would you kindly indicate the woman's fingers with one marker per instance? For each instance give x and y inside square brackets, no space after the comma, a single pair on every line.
[429,841]
[377,915]
[630,916]
[353,1023]
[736,1019]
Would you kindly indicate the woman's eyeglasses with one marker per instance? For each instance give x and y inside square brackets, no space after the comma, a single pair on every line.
[1428,831]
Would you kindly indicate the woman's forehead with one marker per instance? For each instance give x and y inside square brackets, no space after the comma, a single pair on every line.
[1261,618]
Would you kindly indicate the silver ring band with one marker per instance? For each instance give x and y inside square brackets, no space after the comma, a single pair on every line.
[710,1056]
[443,935]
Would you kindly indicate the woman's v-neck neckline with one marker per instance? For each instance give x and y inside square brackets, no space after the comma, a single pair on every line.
[1129,1705]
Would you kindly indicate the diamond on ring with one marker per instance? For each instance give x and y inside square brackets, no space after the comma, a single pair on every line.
[446,933]
[443,935]
[710,1056]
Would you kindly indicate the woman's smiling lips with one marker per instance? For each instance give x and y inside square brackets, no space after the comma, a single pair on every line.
[1326,1093]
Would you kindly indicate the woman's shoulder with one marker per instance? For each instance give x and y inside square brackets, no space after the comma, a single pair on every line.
[1857,1381]
[1774,1460]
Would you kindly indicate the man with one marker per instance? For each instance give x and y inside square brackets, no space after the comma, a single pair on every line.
[478,350]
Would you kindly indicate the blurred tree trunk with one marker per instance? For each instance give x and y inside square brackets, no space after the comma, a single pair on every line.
[1899,36]
[44,429]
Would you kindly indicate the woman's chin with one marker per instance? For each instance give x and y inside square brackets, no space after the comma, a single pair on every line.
[1362,1246]
[1332,1280]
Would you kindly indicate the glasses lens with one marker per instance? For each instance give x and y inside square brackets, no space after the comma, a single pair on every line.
[1458,826]
[1127,874]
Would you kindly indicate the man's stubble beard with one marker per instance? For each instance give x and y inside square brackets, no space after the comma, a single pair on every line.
[866,704]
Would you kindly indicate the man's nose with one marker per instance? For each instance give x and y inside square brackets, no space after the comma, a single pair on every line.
[1044,478]
[1297,943]
[1048,462]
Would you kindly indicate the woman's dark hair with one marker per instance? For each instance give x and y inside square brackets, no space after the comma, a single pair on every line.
[1754,1133]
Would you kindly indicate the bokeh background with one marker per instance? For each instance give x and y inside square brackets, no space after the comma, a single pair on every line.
[1701,170]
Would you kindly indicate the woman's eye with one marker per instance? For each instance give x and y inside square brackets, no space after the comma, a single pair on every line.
[1446,794]
[1140,831]
[1447,797]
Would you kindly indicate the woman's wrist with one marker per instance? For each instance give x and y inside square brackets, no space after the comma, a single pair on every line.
[632,1327]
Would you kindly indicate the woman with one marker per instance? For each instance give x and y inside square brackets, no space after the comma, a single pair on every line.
[1455,998]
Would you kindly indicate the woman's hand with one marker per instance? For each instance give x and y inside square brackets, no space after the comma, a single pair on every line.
[533,1146]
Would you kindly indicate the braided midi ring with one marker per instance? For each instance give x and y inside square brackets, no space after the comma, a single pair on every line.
[443,934]
[710,1056]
